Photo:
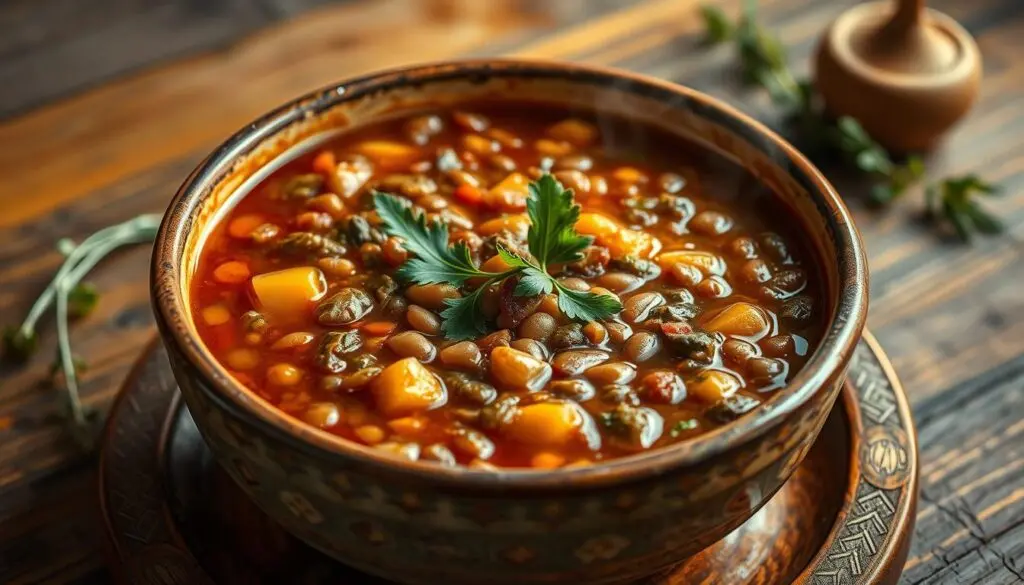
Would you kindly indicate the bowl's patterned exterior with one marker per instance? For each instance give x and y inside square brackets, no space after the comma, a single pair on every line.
[414,534]
[405,521]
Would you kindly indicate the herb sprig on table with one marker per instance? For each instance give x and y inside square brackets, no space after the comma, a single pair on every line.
[72,298]
[552,240]
[763,63]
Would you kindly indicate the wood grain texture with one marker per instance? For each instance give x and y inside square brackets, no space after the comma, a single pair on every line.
[950,317]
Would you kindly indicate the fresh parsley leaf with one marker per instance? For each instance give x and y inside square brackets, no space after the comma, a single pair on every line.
[586,306]
[533,282]
[463,317]
[435,261]
[553,216]
[511,258]
[552,240]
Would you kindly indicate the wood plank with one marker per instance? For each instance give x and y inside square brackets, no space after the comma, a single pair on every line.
[163,115]
[970,524]
[85,43]
[951,317]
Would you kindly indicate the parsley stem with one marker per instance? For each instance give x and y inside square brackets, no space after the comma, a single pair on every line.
[138,229]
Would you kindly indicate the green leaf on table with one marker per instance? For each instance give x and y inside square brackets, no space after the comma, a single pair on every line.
[19,344]
[82,299]
[717,26]
[954,198]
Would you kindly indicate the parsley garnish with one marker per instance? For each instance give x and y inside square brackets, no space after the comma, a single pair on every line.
[435,260]
[762,61]
[552,240]
[683,426]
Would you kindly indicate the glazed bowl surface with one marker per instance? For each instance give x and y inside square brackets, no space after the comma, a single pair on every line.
[420,523]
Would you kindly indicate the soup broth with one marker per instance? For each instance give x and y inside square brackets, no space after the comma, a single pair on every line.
[297,293]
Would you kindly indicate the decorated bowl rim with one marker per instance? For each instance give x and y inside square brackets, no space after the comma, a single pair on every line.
[173,315]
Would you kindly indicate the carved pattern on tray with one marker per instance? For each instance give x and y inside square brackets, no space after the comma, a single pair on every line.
[885,469]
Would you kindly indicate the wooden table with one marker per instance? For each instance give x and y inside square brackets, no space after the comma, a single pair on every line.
[107,105]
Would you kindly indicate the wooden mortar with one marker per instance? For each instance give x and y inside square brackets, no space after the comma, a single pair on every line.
[906,75]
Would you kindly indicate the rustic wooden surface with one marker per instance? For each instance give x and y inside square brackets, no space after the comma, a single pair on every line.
[108,105]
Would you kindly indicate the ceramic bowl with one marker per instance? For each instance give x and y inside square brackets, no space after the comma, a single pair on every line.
[420,523]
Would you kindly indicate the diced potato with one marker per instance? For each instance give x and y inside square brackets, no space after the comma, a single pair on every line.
[518,224]
[713,385]
[741,319]
[388,152]
[288,295]
[575,131]
[406,387]
[518,369]
[627,242]
[597,225]
[708,263]
[547,424]
[510,194]
[619,240]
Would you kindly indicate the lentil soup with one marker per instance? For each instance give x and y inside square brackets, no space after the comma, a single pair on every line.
[297,294]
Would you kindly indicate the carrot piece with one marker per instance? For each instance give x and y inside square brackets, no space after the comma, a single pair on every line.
[545,460]
[325,162]
[232,272]
[407,426]
[370,434]
[378,328]
[242,226]
[469,194]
